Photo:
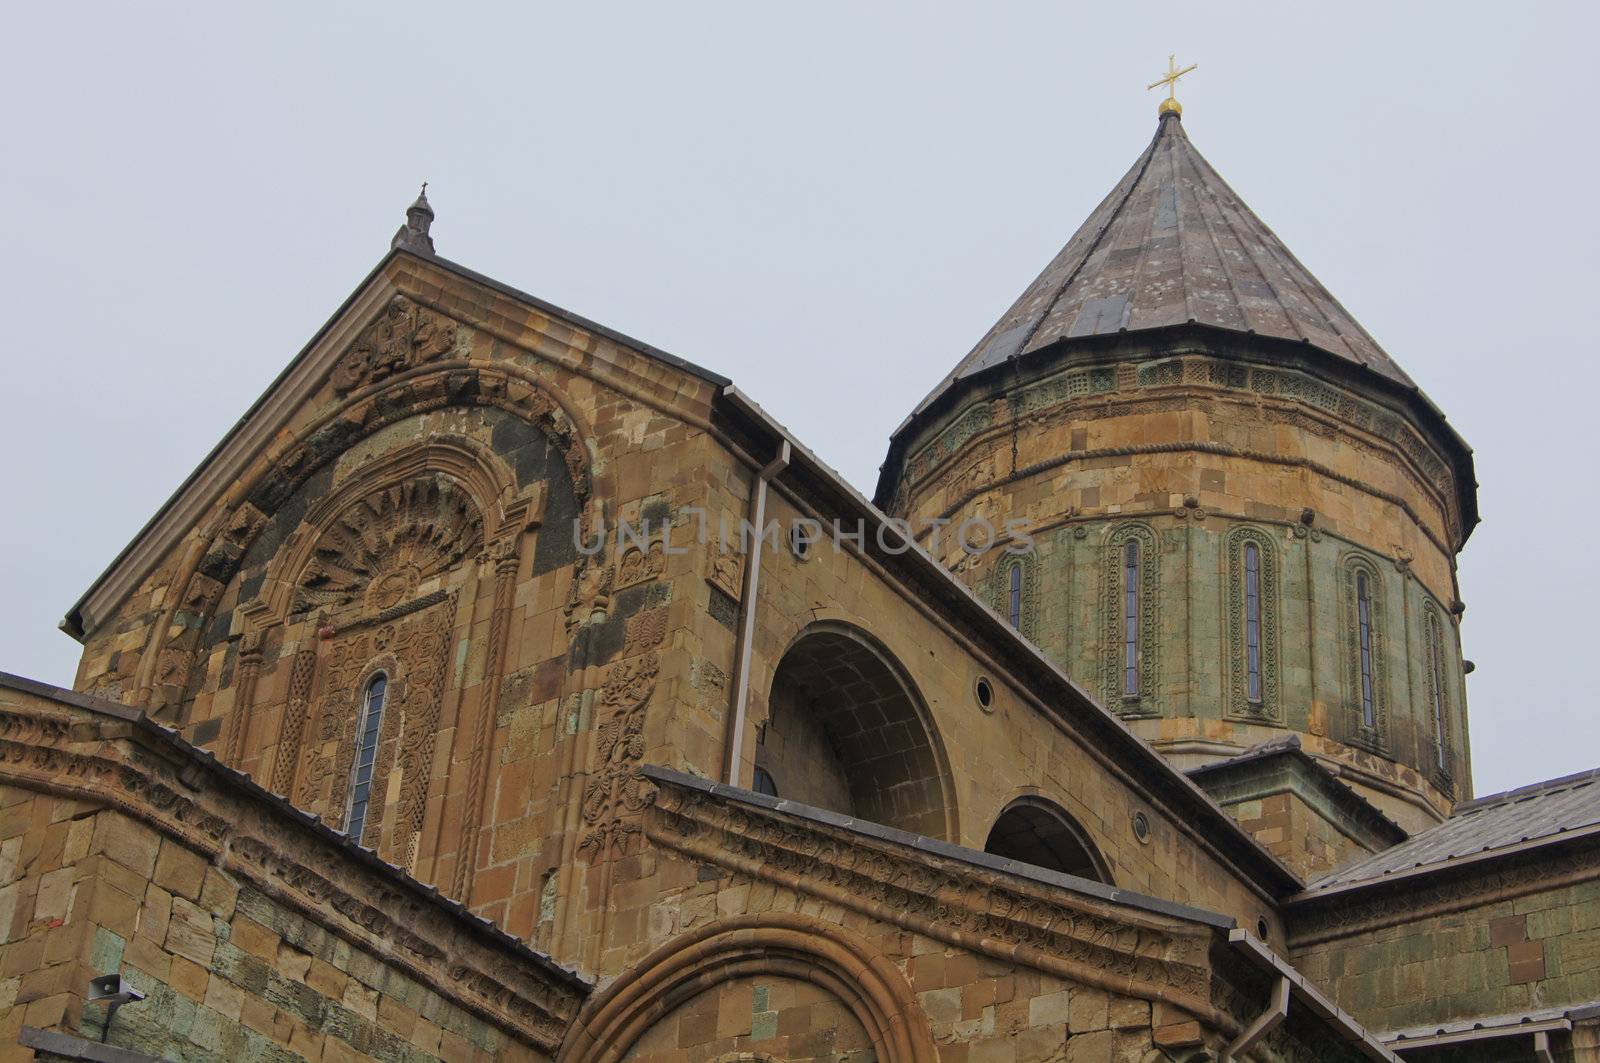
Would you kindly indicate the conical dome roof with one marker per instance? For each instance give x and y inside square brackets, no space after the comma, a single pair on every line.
[1173,244]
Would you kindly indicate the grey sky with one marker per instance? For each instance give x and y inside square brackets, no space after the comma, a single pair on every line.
[828,203]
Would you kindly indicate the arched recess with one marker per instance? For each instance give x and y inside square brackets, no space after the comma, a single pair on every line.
[371,403]
[771,944]
[847,730]
[468,499]
[1037,831]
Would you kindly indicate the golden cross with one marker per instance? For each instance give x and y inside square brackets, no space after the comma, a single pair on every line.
[1170,80]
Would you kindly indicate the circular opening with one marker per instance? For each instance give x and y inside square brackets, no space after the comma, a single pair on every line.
[1262,928]
[985,694]
[1141,826]
[800,538]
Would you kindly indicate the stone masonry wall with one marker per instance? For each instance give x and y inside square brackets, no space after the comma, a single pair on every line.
[1189,449]
[226,971]
[1496,957]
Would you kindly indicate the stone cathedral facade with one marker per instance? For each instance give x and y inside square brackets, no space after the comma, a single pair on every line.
[438,714]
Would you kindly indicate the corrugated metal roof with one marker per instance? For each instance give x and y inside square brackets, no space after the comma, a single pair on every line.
[1542,811]
[1173,244]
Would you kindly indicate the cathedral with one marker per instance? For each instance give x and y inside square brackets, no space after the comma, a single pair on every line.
[503,687]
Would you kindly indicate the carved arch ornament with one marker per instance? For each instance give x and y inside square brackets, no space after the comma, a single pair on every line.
[1353,566]
[1112,606]
[868,985]
[372,391]
[1269,707]
[1026,563]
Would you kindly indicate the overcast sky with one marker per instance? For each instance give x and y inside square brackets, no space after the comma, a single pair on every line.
[828,203]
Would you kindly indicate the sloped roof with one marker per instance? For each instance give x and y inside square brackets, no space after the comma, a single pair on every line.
[1173,244]
[1545,811]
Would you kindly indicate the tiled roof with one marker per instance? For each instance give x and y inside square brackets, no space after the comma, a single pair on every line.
[1545,811]
[1173,244]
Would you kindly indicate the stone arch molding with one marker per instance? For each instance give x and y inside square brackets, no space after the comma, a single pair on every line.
[409,361]
[772,944]
[434,504]
[840,642]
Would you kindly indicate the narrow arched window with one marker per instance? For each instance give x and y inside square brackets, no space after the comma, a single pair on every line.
[1015,611]
[1437,691]
[1369,707]
[762,782]
[366,754]
[1130,619]
[1252,621]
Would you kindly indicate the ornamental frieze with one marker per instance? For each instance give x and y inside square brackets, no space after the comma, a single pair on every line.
[959,904]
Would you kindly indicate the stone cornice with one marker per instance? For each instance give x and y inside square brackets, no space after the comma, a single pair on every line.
[126,762]
[1123,942]
[1147,345]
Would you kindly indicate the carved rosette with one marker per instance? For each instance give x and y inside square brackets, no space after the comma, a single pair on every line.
[381,548]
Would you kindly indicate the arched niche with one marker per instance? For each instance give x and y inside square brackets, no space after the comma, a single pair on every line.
[773,945]
[271,500]
[848,731]
[1037,831]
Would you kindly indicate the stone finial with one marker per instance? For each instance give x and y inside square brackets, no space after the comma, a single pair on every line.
[413,235]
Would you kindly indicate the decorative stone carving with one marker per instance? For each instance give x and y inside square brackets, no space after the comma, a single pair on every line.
[504,552]
[414,652]
[381,548]
[945,900]
[294,721]
[618,786]
[725,568]
[640,564]
[271,481]
[403,337]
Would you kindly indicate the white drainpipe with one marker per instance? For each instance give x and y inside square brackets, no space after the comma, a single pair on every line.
[747,615]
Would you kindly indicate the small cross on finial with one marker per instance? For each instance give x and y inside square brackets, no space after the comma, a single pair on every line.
[424,188]
[1170,105]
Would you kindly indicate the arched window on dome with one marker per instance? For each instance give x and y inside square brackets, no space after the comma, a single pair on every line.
[1363,634]
[1130,619]
[1438,689]
[1130,588]
[1253,625]
[1369,708]
[367,728]
[1014,598]
[1252,622]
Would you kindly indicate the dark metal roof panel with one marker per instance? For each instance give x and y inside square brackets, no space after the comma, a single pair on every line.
[1543,811]
[1173,244]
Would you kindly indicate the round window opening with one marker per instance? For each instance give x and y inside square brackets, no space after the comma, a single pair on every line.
[1141,827]
[800,538]
[1262,930]
[985,694]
